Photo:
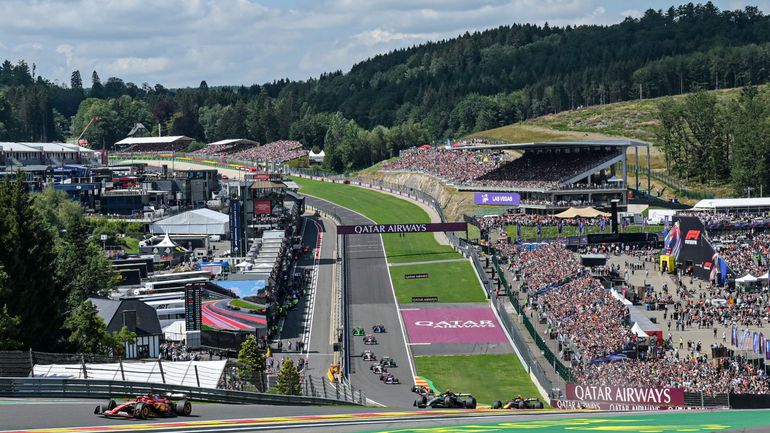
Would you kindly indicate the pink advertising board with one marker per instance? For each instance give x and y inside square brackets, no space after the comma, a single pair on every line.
[453,325]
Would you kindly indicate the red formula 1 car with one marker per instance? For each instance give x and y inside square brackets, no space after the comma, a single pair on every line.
[146,406]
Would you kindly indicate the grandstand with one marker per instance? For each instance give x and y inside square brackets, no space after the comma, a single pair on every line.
[548,176]
[227,147]
[173,143]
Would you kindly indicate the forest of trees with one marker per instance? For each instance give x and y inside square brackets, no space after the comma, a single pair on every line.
[50,263]
[420,94]
[710,141]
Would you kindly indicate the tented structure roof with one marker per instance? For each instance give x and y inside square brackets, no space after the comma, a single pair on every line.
[581,212]
[194,222]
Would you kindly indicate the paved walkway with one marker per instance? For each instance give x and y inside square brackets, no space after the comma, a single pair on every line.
[427,262]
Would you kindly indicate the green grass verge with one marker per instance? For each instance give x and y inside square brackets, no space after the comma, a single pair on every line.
[384,209]
[450,282]
[245,304]
[552,232]
[487,377]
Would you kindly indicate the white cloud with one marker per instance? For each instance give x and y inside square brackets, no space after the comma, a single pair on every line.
[633,13]
[136,65]
[66,50]
[181,42]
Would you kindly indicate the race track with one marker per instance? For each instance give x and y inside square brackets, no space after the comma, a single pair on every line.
[370,300]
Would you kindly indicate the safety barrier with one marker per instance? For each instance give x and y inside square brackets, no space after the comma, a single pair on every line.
[83,388]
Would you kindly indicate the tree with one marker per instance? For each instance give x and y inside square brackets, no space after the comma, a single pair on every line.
[76,82]
[118,341]
[97,90]
[28,260]
[87,331]
[10,326]
[252,362]
[288,379]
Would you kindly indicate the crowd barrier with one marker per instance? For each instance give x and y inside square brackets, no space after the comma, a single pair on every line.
[103,389]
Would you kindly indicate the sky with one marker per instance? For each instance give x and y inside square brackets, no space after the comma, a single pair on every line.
[178,43]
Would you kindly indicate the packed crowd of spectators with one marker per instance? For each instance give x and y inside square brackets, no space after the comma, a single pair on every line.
[221,150]
[538,268]
[171,351]
[693,373]
[742,309]
[531,220]
[586,315]
[541,171]
[744,253]
[456,166]
[277,151]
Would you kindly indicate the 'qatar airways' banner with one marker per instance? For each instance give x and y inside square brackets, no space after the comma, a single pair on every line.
[375,229]
[614,407]
[632,395]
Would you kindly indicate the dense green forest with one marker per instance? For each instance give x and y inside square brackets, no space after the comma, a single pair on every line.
[714,142]
[424,93]
[50,263]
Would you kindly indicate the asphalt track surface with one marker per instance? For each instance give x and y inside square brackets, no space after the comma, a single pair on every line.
[311,324]
[216,314]
[21,416]
[370,300]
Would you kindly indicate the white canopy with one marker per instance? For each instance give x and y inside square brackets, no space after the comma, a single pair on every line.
[194,222]
[175,331]
[174,373]
[637,330]
[764,276]
[748,278]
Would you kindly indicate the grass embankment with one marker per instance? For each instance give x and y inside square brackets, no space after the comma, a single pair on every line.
[413,247]
[385,209]
[440,277]
[487,377]
[240,303]
[553,232]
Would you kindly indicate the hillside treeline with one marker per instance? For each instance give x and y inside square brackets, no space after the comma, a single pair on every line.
[713,141]
[432,91]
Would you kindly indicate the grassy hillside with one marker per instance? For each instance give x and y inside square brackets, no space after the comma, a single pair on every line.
[635,120]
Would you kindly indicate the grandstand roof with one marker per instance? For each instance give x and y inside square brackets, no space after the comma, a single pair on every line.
[153,140]
[17,147]
[732,203]
[54,147]
[234,141]
[557,144]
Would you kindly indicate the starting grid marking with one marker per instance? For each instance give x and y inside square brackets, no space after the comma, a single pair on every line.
[306,419]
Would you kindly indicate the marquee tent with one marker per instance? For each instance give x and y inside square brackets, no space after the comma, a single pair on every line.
[194,222]
[581,212]
[746,279]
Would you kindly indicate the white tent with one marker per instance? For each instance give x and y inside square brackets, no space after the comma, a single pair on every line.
[746,279]
[194,222]
[175,331]
[174,373]
[765,276]
[317,157]
[637,330]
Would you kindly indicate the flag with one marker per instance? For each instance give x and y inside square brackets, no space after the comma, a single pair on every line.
[518,230]
[560,226]
[601,224]
[582,226]
[539,228]
[767,349]
[756,343]
[644,221]
[665,221]
[761,343]
[734,336]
